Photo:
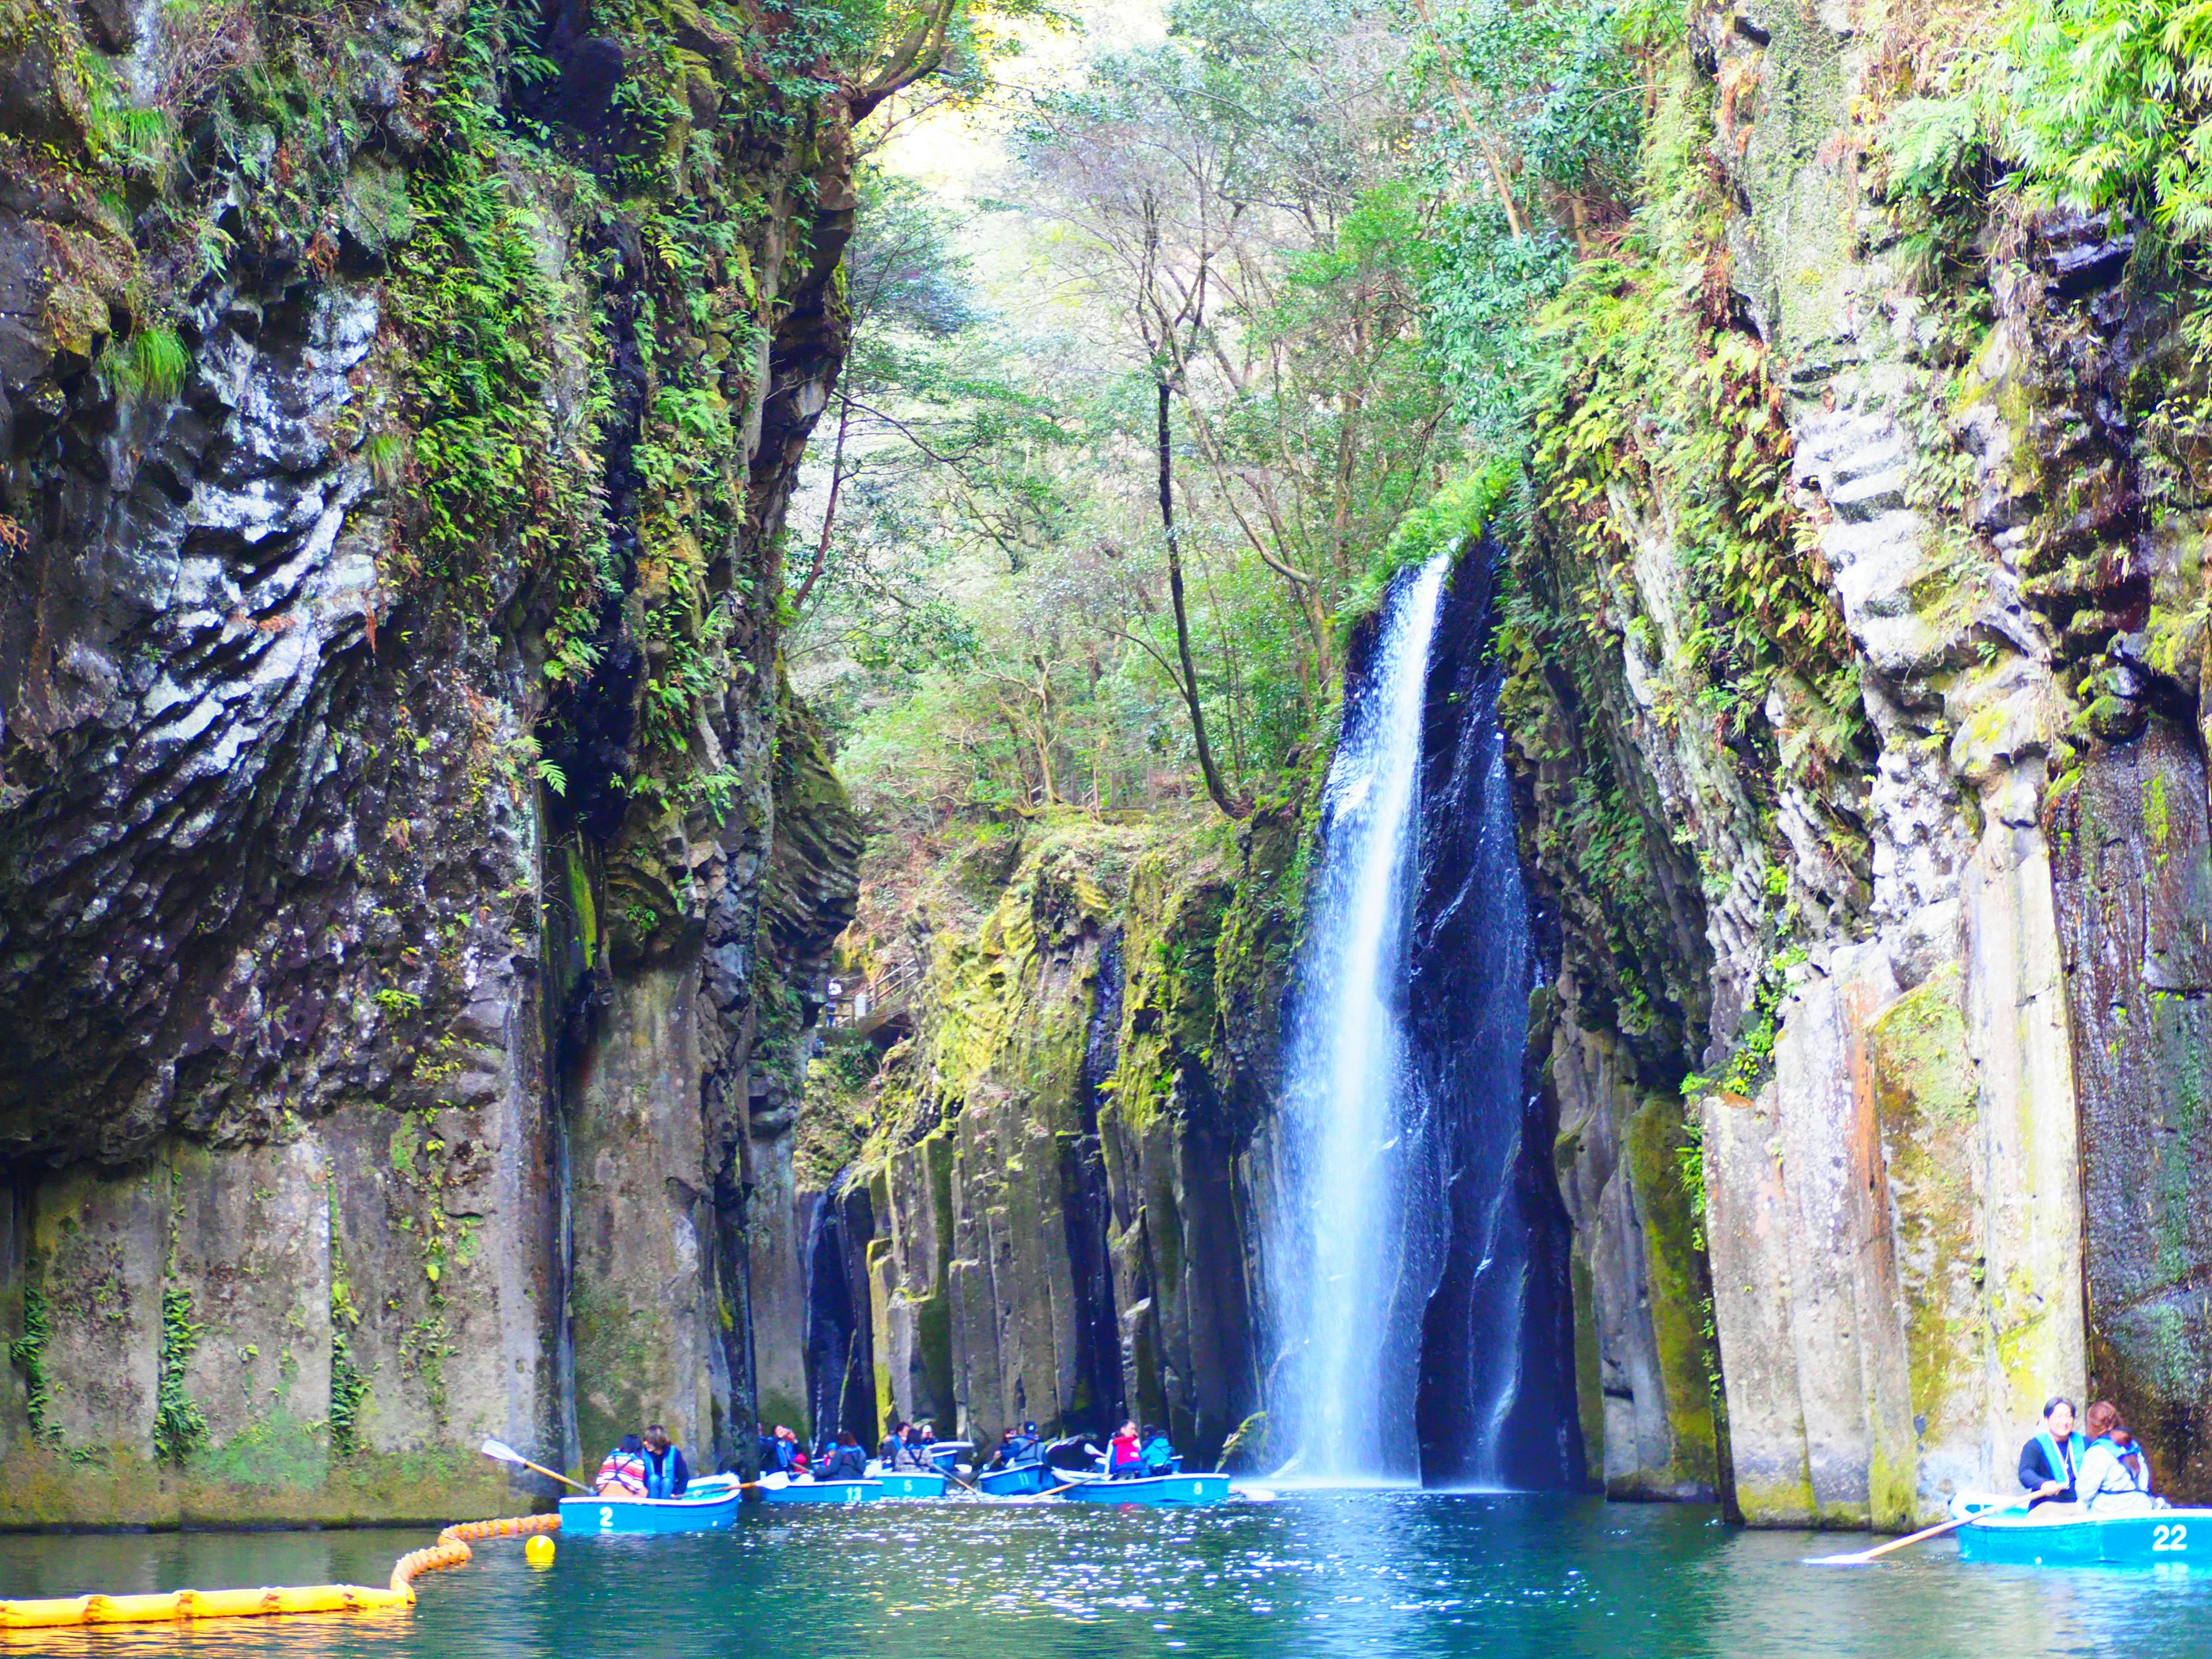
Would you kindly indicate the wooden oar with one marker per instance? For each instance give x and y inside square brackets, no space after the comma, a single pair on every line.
[500,1452]
[1859,1558]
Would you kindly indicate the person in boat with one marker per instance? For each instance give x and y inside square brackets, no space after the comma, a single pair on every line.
[1029,1444]
[846,1460]
[914,1451]
[1157,1454]
[623,1474]
[2051,1459]
[1125,1454]
[2114,1478]
[906,1453]
[790,1456]
[887,1452]
[666,1473]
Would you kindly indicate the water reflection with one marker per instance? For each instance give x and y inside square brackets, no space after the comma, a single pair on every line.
[1463,1576]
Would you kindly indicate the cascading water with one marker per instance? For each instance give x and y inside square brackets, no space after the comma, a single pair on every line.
[1416,1249]
[1348,1280]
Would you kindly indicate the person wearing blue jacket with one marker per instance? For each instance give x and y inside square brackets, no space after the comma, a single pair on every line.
[666,1475]
[2052,1457]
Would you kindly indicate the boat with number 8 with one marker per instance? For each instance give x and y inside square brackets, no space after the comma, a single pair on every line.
[2065,1535]
[1167,1489]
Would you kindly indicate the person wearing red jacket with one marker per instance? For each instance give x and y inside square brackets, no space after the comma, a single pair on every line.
[1125,1454]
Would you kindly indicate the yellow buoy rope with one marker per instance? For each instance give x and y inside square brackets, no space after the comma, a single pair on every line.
[451,1550]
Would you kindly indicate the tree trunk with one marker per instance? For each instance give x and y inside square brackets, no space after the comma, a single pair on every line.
[1232,806]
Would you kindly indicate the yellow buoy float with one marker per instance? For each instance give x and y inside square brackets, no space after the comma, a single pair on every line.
[451,1550]
[538,1552]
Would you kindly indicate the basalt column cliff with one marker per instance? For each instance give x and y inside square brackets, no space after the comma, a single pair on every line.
[1862,734]
[415,882]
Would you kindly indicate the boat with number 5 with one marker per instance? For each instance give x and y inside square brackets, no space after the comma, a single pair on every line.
[910,1482]
[709,1505]
[2064,1535]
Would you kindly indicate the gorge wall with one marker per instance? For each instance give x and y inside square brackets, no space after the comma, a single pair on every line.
[1862,606]
[415,884]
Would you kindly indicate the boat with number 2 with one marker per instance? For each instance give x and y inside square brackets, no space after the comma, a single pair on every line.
[709,1506]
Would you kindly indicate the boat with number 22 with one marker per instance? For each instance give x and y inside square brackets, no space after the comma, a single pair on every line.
[2055,1535]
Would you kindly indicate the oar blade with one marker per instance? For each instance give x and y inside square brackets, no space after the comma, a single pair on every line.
[1857,1559]
[499,1451]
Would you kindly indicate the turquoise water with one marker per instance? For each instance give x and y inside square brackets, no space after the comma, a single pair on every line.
[1412,1574]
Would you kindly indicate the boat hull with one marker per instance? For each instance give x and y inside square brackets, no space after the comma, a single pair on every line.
[1155,1489]
[908,1482]
[608,1516]
[2153,1538]
[1021,1481]
[825,1491]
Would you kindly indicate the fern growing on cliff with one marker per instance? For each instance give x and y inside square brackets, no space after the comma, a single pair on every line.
[179,1427]
[28,1355]
[2108,103]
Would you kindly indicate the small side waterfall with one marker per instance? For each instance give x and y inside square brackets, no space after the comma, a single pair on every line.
[1349,1277]
[1416,1250]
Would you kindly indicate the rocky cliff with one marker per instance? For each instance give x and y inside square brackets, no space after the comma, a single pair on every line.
[414,882]
[1057,1178]
[1860,618]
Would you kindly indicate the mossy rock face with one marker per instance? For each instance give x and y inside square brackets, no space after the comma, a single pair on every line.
[1060,1094]
[2132,872]
[1926,1091]
[1681,1290]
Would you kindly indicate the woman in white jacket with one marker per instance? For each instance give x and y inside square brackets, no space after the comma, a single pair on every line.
[2114,1478]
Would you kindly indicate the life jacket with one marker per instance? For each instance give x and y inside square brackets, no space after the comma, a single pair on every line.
[2062,1469]
[661,1473]
[2133,1460]
[1158,1455]
[1123,1453]
[624,1470]
[2128,1459]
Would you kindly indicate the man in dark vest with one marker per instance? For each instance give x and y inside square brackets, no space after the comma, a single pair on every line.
[2049,1460]
[665,1473]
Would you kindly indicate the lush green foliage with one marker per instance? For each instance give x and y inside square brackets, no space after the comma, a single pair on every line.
[2108,103]
[179,1427]
[1226,213]
[27,1352]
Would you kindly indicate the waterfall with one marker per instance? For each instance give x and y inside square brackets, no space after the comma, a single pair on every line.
[1417,1248]
[1348,1284]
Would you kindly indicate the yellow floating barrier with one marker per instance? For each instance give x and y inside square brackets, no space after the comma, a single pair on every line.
[451,1550]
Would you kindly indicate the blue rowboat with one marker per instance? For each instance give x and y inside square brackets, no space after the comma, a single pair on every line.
[707,1507]
[911,1483]
[1018,1481]
[2056,1536]
[946,1454]
[1153,1489]
[823,1491]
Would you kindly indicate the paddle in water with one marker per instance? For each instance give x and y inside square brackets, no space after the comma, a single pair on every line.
[1861,1558]
[500,1452]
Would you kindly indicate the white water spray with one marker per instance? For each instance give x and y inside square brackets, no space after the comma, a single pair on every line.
[1347,1280]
